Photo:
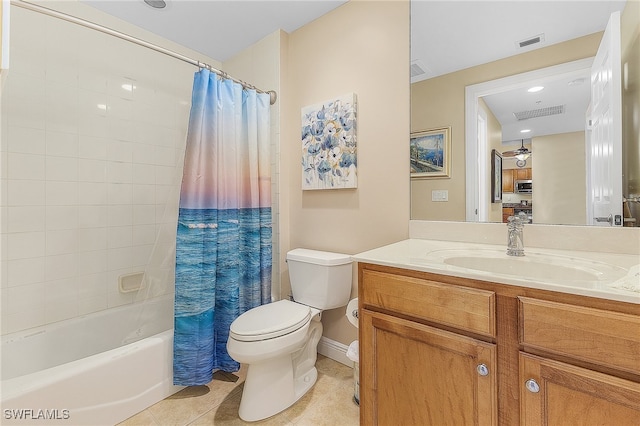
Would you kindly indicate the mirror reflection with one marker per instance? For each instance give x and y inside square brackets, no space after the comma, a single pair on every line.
[551,185]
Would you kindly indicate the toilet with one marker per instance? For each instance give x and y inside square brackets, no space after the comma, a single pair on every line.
[278,341]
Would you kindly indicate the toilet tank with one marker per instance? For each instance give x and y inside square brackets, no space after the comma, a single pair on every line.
[320,279]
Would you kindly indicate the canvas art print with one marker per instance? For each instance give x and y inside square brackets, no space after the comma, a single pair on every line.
[430,153]
[329,144]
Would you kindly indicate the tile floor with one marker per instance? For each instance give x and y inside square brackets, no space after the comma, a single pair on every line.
[329,402]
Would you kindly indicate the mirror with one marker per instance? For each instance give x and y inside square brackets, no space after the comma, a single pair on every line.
[447,89]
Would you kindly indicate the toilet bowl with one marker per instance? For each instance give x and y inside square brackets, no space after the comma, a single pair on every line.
[279,341]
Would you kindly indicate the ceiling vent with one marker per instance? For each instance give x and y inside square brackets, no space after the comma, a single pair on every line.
[417,69]
[542,112]
[530,41]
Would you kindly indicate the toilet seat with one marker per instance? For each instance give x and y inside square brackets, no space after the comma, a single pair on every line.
[270,321]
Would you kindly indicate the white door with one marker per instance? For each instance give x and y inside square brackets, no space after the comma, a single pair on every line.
[604,153]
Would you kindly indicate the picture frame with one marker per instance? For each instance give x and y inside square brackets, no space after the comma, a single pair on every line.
[430,153]
[329,144]
[496,176]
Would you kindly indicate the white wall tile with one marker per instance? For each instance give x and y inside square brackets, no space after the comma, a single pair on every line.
[119,215]
[92,285]
[144,214]
[143,153]
[119,236]
[90,239]
[92,103]
[64,241]
[62,144]
[31,316]
[92,147]
[144,194]
[92,262]
[92,193]
[61,311]
[61,108]
[61,193]
[93,125]
[26,140]
[26,192]
[120,129]
[26,297]
[119,172]
[61,291]
[23,245]
[119,193]
[61,266]
[141,254]
[88,305]
[25,218]
[26,166]
[27,106]
[61,217]
[92,216]
[144,234]
[144,174]
[119,258]
[92,78]
[119,151]
[62,169]
[90,170]
[25,271]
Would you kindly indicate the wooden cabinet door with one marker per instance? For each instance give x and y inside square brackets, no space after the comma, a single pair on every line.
[413,374]
[564,394]
[523,174]
[507,180]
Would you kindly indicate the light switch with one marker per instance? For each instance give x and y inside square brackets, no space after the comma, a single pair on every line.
[440,195]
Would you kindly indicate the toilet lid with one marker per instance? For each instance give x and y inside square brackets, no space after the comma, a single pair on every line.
[270,321]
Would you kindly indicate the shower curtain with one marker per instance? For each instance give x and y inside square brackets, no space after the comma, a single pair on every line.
[223,247]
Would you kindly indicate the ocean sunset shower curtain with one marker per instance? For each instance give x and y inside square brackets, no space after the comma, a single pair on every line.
[223,247]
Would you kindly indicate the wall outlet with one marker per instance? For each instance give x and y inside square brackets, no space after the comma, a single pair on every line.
[440,195]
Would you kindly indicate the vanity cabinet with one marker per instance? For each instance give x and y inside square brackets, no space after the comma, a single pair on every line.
[438,349]
[553,391]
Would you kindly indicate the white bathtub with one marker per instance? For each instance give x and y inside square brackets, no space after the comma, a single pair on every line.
[86,388]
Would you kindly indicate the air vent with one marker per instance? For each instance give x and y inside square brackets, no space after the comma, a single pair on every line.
[542,112]
[530,41]
[416,70]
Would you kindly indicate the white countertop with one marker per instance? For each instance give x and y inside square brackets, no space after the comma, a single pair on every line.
[430,256]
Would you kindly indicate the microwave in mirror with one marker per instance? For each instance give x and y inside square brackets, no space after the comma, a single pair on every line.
[523,186]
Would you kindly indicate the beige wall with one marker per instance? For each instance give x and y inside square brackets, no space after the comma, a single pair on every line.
[494,141]
[261,64]
[439,102]
[558,196]
[360,47]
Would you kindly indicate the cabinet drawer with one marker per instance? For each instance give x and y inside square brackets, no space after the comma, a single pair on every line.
[598,336]
[460,307]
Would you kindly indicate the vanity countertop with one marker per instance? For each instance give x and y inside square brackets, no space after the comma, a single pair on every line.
[439,257]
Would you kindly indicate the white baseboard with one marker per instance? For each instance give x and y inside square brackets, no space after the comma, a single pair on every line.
[334,350]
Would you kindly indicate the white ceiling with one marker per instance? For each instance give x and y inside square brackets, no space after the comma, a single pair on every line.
[446,36]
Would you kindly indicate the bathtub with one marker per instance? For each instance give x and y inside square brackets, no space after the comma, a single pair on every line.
[74,373]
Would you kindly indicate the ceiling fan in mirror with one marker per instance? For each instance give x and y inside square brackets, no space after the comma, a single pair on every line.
[521,154]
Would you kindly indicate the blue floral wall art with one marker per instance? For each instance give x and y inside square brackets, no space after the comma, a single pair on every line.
[329,159]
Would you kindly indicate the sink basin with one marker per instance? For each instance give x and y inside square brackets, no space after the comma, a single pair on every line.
[534,266]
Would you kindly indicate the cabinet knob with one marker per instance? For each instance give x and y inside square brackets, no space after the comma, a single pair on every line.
[482,369]
[532,386]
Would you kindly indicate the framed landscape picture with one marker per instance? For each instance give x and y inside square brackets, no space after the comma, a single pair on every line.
[430,153]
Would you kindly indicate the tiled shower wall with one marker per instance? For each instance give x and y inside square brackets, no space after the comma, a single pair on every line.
[93,129]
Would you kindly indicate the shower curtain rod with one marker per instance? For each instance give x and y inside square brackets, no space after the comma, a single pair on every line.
[87,24]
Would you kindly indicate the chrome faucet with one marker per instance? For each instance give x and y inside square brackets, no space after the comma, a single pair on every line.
[515,242]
